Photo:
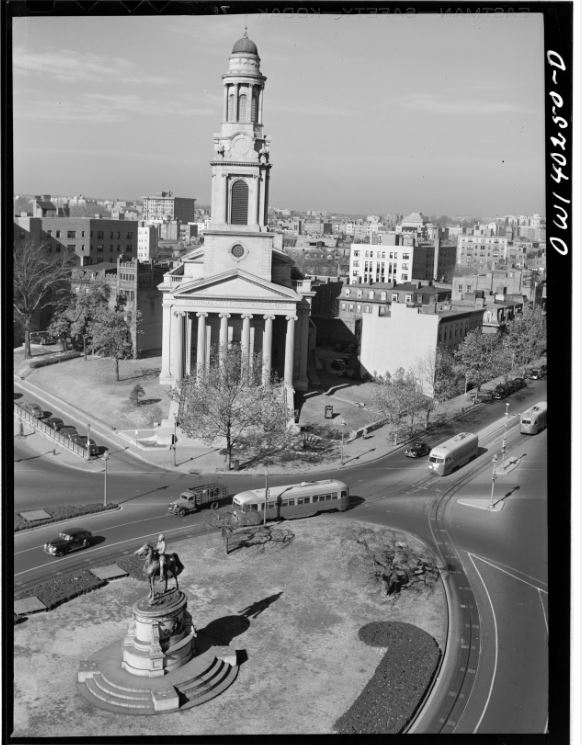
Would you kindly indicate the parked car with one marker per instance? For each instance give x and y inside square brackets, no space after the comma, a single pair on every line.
[534,373]
[518,383]
[55,422]
[500,391]
[70,539]
[338,364]
[82,441]
[417,449]
[41,337]
[33,409]
[68,432]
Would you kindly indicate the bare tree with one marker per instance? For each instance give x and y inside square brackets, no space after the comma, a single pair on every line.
[225,403]
[39,280]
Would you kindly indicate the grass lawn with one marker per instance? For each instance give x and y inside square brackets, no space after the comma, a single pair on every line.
[92,386]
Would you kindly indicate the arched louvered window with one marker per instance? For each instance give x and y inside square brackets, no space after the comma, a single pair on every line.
[243,108]
[239,203]
[255,106]
[231,114]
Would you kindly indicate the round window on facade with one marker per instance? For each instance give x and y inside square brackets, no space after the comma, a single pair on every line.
[237,251]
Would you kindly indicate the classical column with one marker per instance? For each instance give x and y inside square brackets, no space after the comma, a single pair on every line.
[208,345]
[289,349]
[267,348]
[302,380]
[188,343]
[201,344]
[223,340]
[177,346]
[165,374]
[245,343]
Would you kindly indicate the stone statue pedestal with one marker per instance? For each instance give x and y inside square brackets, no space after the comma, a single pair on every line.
[161,636]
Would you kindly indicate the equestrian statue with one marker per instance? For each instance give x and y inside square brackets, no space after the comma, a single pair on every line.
[158,563]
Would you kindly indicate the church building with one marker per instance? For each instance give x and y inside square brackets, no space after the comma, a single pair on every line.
[240,287]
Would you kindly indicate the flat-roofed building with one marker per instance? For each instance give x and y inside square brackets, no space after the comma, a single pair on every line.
[165,206]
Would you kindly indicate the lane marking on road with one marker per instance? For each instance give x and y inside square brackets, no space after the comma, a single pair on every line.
[513,574]
[496,645]
[96,548]
[543,610]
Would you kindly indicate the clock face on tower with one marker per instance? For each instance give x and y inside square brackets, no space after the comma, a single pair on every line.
[241,145]
[237,251]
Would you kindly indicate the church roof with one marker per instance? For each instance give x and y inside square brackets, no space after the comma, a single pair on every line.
[245,45]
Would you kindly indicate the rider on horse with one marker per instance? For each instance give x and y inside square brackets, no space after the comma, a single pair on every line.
[161,549]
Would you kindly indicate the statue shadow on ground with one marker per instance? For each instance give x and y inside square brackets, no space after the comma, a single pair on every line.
[220,632]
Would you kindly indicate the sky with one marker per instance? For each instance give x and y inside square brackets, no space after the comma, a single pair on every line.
[366,114]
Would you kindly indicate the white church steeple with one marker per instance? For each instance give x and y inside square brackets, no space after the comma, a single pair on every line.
[240,170]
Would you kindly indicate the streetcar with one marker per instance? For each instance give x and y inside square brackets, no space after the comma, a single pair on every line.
[453,453]
[292,500]
[534,419]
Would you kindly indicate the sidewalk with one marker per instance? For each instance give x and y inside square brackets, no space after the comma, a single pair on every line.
[352,403]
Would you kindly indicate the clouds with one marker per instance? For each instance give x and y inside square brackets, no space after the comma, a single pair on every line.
[443,104]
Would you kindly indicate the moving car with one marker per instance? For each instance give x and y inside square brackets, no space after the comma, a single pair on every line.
[417,449]
[70,539]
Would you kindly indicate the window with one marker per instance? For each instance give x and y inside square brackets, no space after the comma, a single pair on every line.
[347,291]
[100,235]
[368,308]
[358,308]
[408,298]
[382,296]
[82,233]
[239,203]
[71,233]
[243,109]
[70,246]
[359,293]
[58,233]
[405,277]
[351,306]
[130,235]
[394,297]
[343,306]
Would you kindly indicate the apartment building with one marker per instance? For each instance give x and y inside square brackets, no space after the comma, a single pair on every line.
[481,249]
[165,206]
[92,240]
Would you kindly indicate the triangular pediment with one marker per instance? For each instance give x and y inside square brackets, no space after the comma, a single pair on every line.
[233,285]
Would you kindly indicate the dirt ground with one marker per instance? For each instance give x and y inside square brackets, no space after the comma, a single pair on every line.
[304,604]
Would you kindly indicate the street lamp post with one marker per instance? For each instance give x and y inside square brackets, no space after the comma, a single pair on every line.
[88,448]
[105,459]
[266,496]
[493,477]
[175,439]
[503,443]
[343,424]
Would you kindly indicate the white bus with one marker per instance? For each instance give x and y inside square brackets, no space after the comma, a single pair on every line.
[534,419]
[294,500]
[453,453]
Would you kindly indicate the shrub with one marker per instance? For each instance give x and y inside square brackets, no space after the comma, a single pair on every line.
[53,359]
[57,590]
[61,512]
[399,683]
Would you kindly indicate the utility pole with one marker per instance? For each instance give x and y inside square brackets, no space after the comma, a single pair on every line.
[493,477]
[266,496]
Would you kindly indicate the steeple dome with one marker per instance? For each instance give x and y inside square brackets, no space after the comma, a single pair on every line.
[245,45]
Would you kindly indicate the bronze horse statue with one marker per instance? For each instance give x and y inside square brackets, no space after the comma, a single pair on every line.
[151,568]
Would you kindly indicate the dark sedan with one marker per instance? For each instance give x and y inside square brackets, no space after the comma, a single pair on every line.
[417,449]
[70,539]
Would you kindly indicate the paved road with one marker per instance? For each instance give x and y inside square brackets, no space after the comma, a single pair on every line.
[393,491]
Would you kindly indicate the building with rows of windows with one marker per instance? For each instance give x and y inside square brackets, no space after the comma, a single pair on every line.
[165,206]
[92,240]
[481,249]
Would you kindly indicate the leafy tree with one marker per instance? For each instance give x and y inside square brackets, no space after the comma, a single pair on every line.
[398,395]
[111,335]
[224,404]
[75,314]
[525,338]
[39,279]
[478,357]
[136,392]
